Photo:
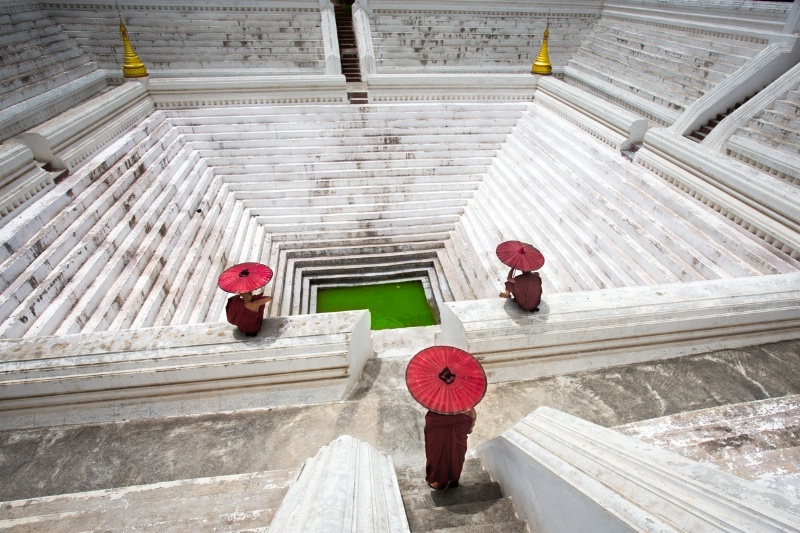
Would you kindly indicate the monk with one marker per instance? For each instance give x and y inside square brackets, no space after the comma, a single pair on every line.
[525,288]
[246,311]
[446,447]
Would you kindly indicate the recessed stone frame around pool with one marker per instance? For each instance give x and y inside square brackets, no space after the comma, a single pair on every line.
[308,275]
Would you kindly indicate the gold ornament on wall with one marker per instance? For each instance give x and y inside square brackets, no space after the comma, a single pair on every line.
[132,66]
[541,64]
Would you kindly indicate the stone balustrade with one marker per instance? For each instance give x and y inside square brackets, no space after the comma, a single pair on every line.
[157,372]
[615,126]
[65,141]
[358,486]
[567,474]
[22,177]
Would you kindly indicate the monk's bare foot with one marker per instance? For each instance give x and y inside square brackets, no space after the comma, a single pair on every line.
[437,486]
[504,295]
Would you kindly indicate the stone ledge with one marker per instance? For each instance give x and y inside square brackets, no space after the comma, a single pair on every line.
[180,370]
[589,330]
[567,474]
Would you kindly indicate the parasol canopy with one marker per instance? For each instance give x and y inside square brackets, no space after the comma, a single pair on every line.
[446,380]
[244,277]
[520,256]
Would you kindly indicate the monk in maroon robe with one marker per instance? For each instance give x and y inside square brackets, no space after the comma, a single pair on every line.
[246,311]
[446,447]
[525,288]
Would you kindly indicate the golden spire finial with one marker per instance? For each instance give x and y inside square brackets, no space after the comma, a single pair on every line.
[542,64]
[132,66]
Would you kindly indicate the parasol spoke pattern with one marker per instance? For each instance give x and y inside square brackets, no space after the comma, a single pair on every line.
[520,255]
[445,379]
[244,277]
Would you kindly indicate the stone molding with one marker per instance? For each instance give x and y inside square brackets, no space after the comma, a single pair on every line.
[590,330]
[188,92]
[348,486]
[179,370]
[451,87]
[567,474]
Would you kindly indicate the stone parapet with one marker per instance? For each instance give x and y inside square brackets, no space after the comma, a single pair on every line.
[575,332]
[567,474]
[169,371]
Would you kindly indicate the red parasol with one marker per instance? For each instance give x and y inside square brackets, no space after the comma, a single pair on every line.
[520,255]
[446,380]
[244,277]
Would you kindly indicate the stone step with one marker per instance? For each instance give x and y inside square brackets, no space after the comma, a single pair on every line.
[783,127]
[517,526]
[459,515]
[682,55]
[49,82]
[252,156]
[656,92]
[686,37]
[723,56]
[412,479]
[684,75]
[247,500]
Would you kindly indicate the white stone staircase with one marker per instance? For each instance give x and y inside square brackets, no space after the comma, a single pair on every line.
[437,41]
[271,37]
[662,67]
[44,72]
[771,140]
[599,220]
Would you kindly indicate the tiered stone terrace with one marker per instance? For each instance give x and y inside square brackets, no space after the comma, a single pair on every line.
[626,61]
[43,71]
[269,38]
[410,41]
[137,237]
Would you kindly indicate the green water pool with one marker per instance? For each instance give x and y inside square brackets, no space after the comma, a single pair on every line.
[391,305]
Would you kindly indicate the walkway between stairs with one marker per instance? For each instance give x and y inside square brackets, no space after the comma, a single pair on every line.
[380,411]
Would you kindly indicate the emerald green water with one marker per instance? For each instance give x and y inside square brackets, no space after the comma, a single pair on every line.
[391,305]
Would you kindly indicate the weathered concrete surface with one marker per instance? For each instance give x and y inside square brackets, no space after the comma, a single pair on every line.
[379,411]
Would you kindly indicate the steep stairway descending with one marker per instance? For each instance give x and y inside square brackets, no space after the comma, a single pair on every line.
[759,441]
[476,505]
[702,132]
[347,41]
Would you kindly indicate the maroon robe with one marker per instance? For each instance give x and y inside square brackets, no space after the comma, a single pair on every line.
[526,290]
[246,320]
[445,446]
